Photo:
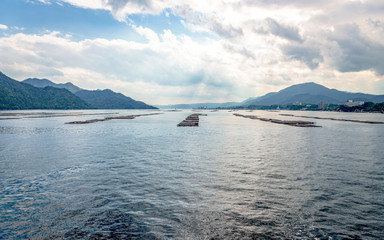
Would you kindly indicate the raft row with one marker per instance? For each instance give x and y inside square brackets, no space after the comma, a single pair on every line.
[191,121]
[335,119]
[278,121]
[111,118]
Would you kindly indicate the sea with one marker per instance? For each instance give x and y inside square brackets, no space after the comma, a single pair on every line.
[229,178]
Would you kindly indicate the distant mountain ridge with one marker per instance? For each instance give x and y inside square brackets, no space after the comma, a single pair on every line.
[41,83]
[199,105]
[101,99]
[108,99]
[206,105]
[34,93]
[18,95]
[311,93]
[305,93]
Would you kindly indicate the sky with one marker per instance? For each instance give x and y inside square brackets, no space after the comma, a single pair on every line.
[191,51]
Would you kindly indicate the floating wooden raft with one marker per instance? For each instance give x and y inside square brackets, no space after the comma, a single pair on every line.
[191,121]
[336,119]
[278,121]
[111,118]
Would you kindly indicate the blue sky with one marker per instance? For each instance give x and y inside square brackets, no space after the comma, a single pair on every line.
[81,23]
[166,52]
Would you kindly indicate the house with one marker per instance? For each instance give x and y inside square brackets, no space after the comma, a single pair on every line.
[351,103]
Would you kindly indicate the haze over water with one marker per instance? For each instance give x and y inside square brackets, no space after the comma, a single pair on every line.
[230,178]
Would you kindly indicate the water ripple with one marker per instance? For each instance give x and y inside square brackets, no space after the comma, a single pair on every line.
[148,179]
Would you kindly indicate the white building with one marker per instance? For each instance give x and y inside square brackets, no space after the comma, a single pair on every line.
[351,103]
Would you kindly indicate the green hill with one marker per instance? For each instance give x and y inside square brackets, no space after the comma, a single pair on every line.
[17,95]
[108,99]
[41,83]
[311,93]
[102,99]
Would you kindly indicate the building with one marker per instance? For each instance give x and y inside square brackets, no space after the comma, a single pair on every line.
[351,103]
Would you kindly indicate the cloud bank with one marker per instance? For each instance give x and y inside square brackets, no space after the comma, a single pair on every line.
[250,48]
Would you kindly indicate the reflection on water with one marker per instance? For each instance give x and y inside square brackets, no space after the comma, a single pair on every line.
[230,178]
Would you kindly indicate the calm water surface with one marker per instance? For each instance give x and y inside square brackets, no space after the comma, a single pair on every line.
[231,178]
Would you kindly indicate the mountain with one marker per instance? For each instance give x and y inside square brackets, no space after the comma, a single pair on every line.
[102,99]
[18,95]
[199,105]
[306,93]
[41,83]
[246,101]
[311,93]
[108,99]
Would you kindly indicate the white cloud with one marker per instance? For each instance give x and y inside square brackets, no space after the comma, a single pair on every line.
[166,69]
[172,62]
[92,4]
[3,27]
[303,22]
[252,47]
[44,1]
[148,33]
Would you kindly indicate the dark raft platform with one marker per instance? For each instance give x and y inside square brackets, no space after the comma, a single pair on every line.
[111,118]
[336,119]
[278,121]
[191,121]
